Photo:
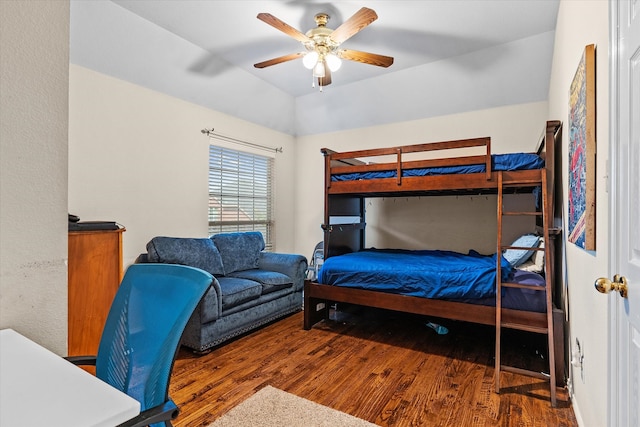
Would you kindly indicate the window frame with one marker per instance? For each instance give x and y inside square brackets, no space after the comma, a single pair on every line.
[241,183]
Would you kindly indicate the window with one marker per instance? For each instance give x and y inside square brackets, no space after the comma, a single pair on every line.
[240,193]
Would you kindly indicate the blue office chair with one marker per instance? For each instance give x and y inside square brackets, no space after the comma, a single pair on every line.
[142,334]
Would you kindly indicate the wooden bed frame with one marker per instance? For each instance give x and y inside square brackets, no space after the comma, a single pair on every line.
[346,198]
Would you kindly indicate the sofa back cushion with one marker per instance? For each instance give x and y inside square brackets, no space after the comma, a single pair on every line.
[239,251]
[199,253]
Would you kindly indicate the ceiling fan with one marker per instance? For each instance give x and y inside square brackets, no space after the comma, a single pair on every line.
[322,52]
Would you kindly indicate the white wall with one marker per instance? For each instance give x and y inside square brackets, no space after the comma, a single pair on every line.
[449,86]
[471,220]
[138,157]
[34,71]
[581,23]
[108,38]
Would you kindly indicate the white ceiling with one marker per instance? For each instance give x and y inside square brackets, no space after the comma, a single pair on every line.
[450,56]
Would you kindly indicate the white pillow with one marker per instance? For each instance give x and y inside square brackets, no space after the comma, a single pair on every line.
[536,262]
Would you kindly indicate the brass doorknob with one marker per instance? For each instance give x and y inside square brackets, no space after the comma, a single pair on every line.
[604,285]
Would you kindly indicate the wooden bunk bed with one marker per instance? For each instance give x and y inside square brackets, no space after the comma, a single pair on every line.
[349,181]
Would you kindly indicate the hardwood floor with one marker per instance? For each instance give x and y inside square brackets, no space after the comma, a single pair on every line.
[385,367]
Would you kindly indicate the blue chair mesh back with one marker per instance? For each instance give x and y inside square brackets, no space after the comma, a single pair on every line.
[144,327]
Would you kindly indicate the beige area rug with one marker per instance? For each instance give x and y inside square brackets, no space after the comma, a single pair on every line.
[271,407]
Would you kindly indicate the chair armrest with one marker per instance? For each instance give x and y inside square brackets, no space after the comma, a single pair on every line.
[82,360]
[158,414]
[294,266]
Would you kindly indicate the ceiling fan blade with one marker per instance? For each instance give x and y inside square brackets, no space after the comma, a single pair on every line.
[366,57]
[326,80]
[351,26]
[278,60]
[284,27]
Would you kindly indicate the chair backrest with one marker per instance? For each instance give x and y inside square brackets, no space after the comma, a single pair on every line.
[142,333]
[316,262]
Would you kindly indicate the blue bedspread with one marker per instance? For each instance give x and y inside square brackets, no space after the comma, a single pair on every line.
[499,162]
[424,273]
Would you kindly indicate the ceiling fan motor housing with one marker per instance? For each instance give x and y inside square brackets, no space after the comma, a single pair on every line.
[321,36]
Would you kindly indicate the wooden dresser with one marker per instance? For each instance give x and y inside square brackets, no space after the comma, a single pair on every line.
[95,272]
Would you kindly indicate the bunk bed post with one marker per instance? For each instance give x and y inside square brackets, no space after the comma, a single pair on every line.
[488,160]
[327,169]
[549,291]
[399,166]
[498,323]
[326,153]
[552,155]
[552,127]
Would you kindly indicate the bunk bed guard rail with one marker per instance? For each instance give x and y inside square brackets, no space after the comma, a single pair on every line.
[350,161]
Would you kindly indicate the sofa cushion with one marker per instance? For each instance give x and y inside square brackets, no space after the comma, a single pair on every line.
[239,251]
[236,290]
[199,253]
[270,280]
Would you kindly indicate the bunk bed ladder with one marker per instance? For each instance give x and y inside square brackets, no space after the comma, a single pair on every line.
[500,322]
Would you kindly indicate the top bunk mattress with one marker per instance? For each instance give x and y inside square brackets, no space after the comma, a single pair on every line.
[499,162]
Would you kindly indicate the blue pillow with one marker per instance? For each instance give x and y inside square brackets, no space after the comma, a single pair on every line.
[199,253]
[517,257]
[239,251]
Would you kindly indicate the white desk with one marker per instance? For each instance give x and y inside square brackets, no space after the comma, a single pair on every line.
[40,388]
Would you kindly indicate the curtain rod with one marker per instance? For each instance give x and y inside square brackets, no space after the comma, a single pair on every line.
[211,134]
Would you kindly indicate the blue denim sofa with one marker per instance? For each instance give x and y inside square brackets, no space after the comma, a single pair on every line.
[250,287]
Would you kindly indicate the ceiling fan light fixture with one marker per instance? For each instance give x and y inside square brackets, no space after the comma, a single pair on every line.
[333,62]
[310,60]
[318,70]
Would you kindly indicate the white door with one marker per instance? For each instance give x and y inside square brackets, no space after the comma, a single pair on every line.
[624,234]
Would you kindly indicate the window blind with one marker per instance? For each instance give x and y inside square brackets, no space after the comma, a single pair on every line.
[240,193]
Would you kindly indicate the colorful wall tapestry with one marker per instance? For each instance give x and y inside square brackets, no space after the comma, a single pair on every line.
[582,153]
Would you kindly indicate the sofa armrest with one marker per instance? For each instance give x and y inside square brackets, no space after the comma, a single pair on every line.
[210,307]
[294,266]
[142,259]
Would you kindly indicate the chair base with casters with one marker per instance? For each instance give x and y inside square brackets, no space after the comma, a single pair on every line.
[142,335]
